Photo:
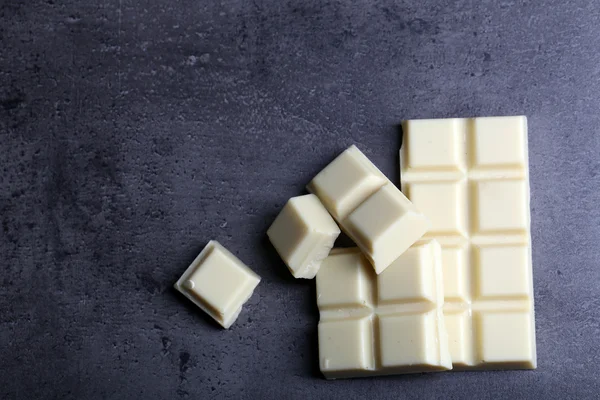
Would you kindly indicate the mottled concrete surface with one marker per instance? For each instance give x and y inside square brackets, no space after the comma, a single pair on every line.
[132,132]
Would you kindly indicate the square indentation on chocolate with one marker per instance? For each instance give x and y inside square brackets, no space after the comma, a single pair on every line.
[502,272]
[500,207]
[499,142]
[434,145]
[444,203]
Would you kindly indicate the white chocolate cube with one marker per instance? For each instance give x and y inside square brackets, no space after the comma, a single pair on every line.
[345,281]
[346,182]
[501,206]
[385,225]
[413,351]
[470,176]
[346,345]
[303,234]
[438,145]
[502,272]
[391,323]
[444,217]
[412,277]
[369,208]
[499,142]
[505,339]
[219,283]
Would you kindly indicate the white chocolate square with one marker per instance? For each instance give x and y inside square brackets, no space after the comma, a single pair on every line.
[345,281]
[502,272]
[411,280]
[368,207]
[499,142]
[506,338]
[501,207]
[408,340]
[219,283]
[479,211]
[346,346]
[434,144]
[445,220]
[303,234]
[400,331]
[385,225]
[346,182]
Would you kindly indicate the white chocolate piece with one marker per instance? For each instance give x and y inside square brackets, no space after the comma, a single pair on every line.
[385,225]
[391,323]
[219,283]
[471,178]
[369,208]
[303,234]
[346,182]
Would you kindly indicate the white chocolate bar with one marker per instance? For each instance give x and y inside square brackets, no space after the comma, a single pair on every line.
[370,209]
[219,283]
[303,234]
[470,177]
[391,323]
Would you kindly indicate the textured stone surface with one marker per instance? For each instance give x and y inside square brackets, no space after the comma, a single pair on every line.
[132,132]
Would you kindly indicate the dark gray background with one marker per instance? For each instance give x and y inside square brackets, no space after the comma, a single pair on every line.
[132,132]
